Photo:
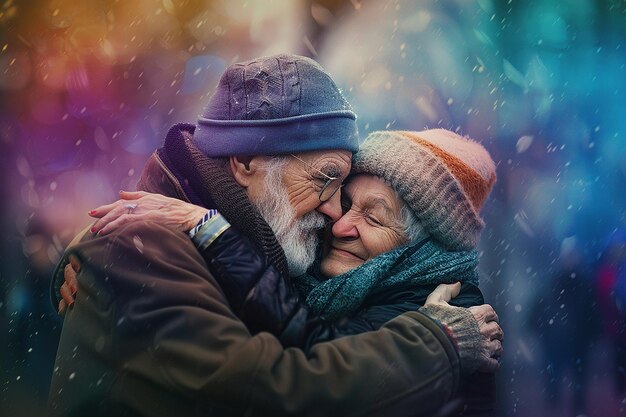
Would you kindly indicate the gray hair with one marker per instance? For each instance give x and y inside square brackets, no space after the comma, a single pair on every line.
[412,228]
[276,163]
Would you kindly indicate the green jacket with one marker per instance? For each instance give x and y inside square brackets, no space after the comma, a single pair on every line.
[152,334]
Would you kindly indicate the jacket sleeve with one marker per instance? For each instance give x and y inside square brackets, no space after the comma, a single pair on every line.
[381,308]
[156,313]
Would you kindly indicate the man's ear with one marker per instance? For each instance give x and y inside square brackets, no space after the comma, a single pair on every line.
[243,168]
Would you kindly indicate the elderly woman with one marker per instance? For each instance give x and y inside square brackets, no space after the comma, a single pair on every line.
[410,222]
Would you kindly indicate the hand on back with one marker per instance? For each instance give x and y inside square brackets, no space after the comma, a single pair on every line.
[140,205]
[479,340]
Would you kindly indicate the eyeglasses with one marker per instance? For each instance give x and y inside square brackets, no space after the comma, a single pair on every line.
[331,185]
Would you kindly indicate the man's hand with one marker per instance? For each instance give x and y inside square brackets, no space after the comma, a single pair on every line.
[476,329]
[70,286]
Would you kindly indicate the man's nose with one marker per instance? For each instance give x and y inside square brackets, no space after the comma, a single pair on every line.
[331,207]
[345,227]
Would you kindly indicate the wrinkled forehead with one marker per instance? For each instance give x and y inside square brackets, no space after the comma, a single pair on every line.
[338,160]
[366,189]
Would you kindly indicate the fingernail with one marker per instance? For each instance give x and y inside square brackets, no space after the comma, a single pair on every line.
[99,232]
[93,229]
[92,212]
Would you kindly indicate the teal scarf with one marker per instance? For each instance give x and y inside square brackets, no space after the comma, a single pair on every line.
[425,262]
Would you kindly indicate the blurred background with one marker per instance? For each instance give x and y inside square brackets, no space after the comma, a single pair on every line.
[89,89]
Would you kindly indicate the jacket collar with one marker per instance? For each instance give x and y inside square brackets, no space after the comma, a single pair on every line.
[180,170]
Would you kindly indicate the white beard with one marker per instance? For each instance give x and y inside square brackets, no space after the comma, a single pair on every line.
[298,237]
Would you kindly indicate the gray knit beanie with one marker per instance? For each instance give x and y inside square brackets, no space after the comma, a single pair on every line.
[443,177]
[276,105]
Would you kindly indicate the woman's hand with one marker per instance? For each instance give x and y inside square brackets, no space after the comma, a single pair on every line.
[140,205]
[70,285]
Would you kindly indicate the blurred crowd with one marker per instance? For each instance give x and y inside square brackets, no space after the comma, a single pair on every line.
[88,90]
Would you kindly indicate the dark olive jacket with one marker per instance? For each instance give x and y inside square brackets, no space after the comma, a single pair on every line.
[152,334]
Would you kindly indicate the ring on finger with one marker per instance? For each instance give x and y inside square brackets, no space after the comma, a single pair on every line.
[130,207]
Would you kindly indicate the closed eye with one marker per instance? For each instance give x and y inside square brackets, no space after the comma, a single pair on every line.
[370,218]
[332,171]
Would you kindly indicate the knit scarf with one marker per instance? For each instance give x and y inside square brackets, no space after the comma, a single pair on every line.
[425,262]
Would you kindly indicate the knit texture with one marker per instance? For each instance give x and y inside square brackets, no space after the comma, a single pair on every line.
[275,105]
[465,331]
[443,177]
[425,262]
[209,183]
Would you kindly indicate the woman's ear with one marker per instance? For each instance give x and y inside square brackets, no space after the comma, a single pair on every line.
[244,169]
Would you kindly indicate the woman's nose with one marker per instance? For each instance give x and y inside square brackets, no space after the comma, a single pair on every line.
[345,227]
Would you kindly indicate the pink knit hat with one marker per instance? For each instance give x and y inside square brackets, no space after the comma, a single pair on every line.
[443,177]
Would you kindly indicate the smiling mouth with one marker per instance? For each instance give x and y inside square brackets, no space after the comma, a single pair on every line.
[345,253]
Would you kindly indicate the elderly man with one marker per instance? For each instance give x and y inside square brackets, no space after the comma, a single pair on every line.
[151,332]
